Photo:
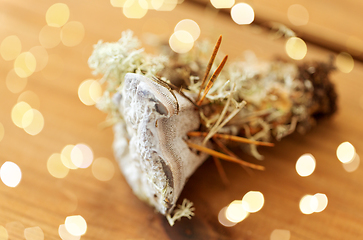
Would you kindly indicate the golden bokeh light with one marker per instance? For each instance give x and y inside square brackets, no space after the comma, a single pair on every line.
[33,233]
[305,165]
[76,225]
[3,233]
[352,165]
[223,219]
[54,68]
[117,3]
[344,62]
[14,83]
[57,15]
[345,152]
[308,204]
[33,122]
[2,131]
[30,98]
[296,48]
[66,157]
[89,92]
[235,212]
[280,234]
[72,33]
[322,202]
[10,174]
[190,26]
[55,166]
[164,5]
[10,48]
[242,13]
[25,64]
[41,57]
[82,155]
[103,169]
[298,15]
[222,3]
[181,41]
[65,235]
[135,8]
[17,113]
[49,37]
[253,201]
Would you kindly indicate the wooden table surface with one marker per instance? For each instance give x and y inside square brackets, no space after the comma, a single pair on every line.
[109,207]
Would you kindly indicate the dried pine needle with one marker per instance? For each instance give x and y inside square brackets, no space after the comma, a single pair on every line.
[223,156]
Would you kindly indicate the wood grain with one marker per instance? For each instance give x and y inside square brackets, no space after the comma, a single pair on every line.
[110,208]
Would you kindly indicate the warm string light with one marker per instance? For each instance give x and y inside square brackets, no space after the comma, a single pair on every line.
[185,33]
[222,3]
[280,234]
[65,235]
[76,225]
[10,174]
[27,118]
[10,48]
[298,15]
[14,83]
[3,233]
[296,48]
[30,98]
[305,165]
[33,233]
[242,14]
[344,62]
[348,156]
[313,203]
[239,210]
[89,92]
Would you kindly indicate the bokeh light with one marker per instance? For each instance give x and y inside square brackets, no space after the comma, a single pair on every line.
[222,3]
[223,219]
[298,15]
[55,166]
[14,83]
[117,3]
[253,201]
[344,62]
[66,157]
[10,48]
[82,155]
[296,48]
[322,202]
[30,98]
[103,169]
[3,233]
[17,113]
[10,174]
[33,122]
[25,64]
[164,5]
[41,57]
[345,152]
[181,41]
[72,33]
[65,235]
[352,165]
[190,26]
[2,131]
[305,165]
[235,212]
[33,233]
[89,92]
[280,234]
[49,37]
[135,8]
[76,225]
[57,15]
[242,13]
[308,204]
